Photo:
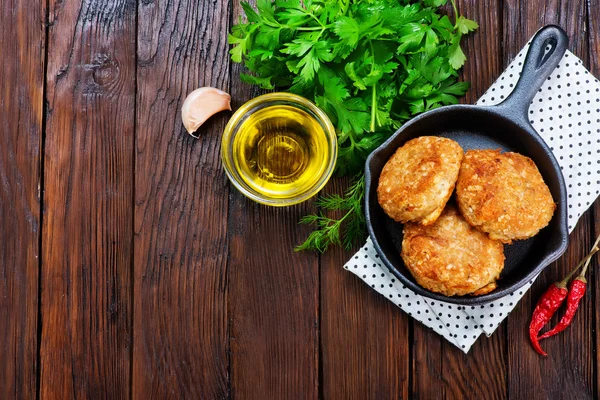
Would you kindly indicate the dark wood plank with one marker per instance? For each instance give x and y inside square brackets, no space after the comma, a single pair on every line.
[180,321]
[427,365]
[455,375]
[523,18]
[594,275]
[568,371]
[273,293]
[87,229]
[483,48]
[364,337]
[440,370]
[22,34]
[481,374]
[273,304]
[87,232]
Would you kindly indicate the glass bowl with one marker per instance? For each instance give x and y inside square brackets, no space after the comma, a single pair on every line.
[254,116]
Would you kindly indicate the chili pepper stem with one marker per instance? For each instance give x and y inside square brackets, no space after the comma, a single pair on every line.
[586,260]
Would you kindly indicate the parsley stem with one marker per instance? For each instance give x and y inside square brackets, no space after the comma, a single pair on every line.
[373,91]
[316,28]
[296,28]
[315,18]
[373,107]
[319,35]
[455,13]
[352,142]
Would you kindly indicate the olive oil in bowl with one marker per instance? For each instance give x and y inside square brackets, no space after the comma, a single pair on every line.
[279,149]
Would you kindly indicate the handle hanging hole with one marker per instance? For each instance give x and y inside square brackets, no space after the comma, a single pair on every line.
[550,46]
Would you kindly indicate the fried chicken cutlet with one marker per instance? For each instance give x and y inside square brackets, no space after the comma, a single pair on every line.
[503,194]
[417,181]
[451,257]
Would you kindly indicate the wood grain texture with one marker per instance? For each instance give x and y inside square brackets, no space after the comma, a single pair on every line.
[273,292]
[442,371]
[180,321]
[568,371]
[273,304]
[427,368]
[439,369]
[364,336]
[593,27]
[483,48]
[481,374]
[87,225]
[22,35]
[159,280]
[522,18]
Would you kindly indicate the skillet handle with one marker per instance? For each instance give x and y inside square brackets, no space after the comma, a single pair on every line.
[536,69]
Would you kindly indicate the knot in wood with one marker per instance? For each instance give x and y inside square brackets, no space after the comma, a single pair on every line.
[104,70]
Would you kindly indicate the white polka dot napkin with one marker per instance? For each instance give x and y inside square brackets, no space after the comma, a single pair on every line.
[566,113]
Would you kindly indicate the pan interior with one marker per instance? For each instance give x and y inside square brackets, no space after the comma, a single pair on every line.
[472,128]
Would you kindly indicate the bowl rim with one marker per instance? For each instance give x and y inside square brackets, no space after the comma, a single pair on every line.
[265,100]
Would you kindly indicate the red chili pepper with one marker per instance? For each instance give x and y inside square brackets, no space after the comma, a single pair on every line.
[576,292]
[551,300]
[544,310]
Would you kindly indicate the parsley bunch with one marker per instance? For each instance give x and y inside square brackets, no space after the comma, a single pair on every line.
[369,64]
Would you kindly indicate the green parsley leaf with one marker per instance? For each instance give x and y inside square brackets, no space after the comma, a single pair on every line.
[251,15]
[411,37]
[466,25]
[237,52]
[266,10]
[264,83]
[435,3]
[351,72]
[457,89]
[298,47]
[456,57]
[348,30]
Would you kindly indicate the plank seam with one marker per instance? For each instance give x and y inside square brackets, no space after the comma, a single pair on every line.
[133,192]
[593,231]
[320,371]
[226,288]
[411,358]
[503,62]
[38,367]
[592,227]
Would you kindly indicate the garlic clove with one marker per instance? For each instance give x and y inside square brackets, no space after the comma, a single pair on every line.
[202,104]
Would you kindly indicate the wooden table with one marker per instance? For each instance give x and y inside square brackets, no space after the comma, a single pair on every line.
[130,268]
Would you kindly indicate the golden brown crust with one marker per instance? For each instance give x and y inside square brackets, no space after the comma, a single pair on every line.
[417,181]
[503,194]
[485,290]
[451,257]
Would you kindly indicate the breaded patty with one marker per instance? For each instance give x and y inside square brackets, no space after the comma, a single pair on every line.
[503,194]
[419,178]
[451,257]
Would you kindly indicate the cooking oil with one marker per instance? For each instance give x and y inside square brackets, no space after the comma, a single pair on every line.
[281,151]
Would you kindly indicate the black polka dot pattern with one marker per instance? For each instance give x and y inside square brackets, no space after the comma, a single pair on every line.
[566,113]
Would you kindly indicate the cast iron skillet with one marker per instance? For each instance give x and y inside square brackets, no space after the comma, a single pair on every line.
[505,126]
